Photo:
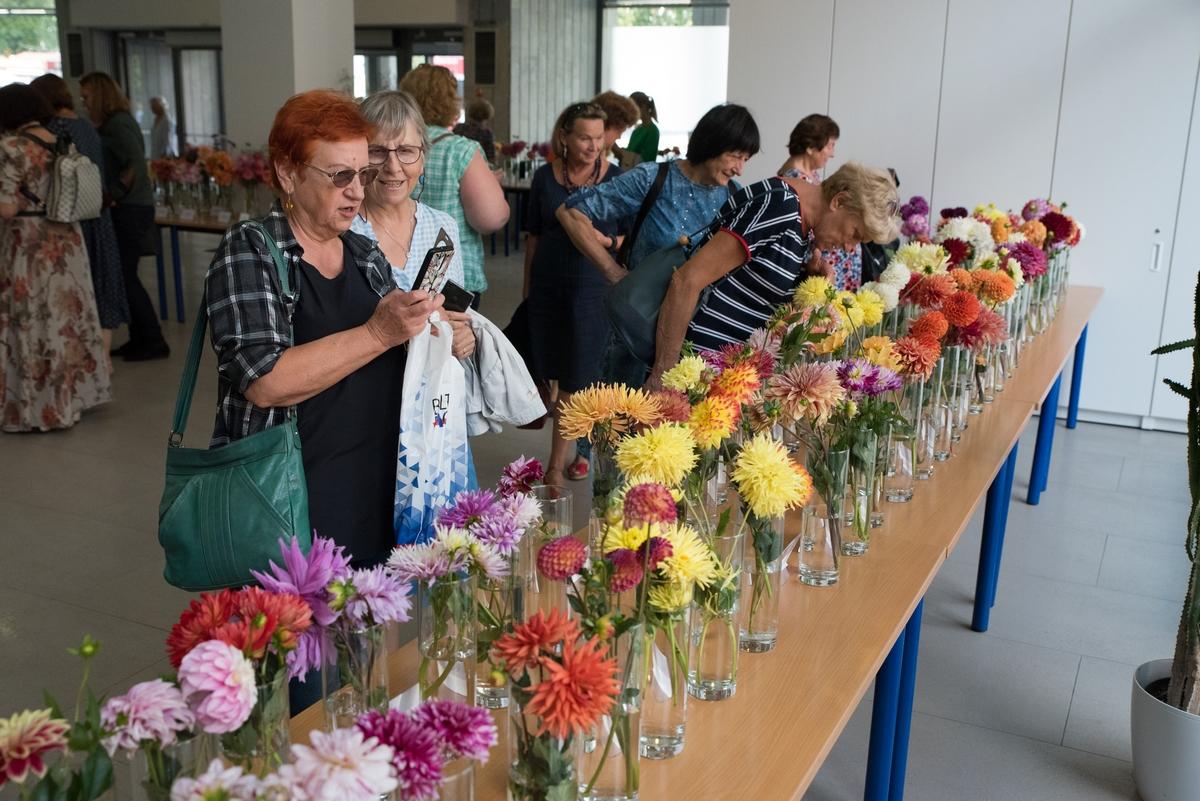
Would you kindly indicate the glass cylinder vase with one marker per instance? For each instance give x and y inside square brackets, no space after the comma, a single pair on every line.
[360,682]
[260,745]
[899,481]
[606,481]
[541,767]
[664,712]
[538,593]
[860,484]
[713,645]
[496,605]
[446,638]
[881,464]
[609,755]
[152,770]
[762,574]
[458,781]
[821,531]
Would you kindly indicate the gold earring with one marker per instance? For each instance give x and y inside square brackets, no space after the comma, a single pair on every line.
[288,205]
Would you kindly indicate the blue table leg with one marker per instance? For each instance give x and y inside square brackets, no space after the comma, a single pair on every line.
[1010,470]
[1044,445]
[177,268]
[989,551]
[162,276]
[883,724]
[908,686]
[1076,380]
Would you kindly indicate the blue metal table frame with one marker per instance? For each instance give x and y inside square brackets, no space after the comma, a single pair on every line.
[174,226]
[1047,420]
[891,714]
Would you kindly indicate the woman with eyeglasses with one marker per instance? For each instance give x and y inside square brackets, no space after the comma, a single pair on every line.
[331,353]
[392,213]
[565,294]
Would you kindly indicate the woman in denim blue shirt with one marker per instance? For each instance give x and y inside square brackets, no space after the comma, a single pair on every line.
[694,190]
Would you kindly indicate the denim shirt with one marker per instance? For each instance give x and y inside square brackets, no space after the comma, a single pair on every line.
[682,209]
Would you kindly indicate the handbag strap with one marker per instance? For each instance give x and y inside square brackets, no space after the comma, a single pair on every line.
[191,365]
[647,203]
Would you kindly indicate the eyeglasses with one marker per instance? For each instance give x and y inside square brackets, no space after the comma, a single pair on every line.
[405,154]
[578,110]
[342,178]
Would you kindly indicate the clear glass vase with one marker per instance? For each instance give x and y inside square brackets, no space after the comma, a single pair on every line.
[261,744]
[446,638]
[900,479]
[606,481]
[860,489]
[360,682]
[152,769]
[496,605]
[925,396]
[458,781]
[664,713]
[758,627]
[881,465]
[609,755]
[541,767]
[821,531]
[713,646]
[537,593]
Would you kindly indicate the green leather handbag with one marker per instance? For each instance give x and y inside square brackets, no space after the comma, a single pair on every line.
[224,510]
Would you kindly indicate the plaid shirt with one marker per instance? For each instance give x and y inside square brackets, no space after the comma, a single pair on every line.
[445,164]
[250,320]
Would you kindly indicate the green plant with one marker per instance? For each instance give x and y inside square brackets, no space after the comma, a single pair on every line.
[1184,689]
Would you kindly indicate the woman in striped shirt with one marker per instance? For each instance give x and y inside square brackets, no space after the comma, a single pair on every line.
[759,248]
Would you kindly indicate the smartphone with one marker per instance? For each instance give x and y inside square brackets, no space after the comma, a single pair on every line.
[455,298]
[433,270]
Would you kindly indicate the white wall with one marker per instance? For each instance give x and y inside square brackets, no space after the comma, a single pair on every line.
[552,62]
[1089,101]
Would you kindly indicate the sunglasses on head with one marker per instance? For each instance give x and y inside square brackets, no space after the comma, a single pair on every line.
[342,178]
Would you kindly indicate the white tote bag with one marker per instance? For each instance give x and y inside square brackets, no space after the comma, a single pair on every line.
[432,464]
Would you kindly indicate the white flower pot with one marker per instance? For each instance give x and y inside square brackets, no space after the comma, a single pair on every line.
[1165,740]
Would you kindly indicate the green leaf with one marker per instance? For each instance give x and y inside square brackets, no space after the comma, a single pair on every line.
[563,791]
[51,704]
[1182,344]
[94,778]
[1178,389]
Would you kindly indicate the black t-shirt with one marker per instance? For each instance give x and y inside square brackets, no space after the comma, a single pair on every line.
[349,432]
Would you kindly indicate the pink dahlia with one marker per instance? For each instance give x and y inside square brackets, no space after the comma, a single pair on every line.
[1058,228]
[217,681]
[416,754]
[152,711]
[464,731]
[561,558]
[500,531]
[341,765]
[807,391]
[627,569]
[988,328]
[520,476]
[1031,258]
[916,205]
[660,549]
[915,226]
[1035,209]
[649,503]
[217,781]
[469,508]
[524,510]
[673,405]
[26,739]
[378,597]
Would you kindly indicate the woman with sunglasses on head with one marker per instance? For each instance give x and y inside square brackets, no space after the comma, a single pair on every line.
[331,352]
[565,294]
[392,213]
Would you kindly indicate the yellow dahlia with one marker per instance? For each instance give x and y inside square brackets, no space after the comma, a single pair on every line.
[830,343]
[738,382]
[670,597]
[664,454]
[872,306]
[879,351]
[686,375]
[691,560]
[713,419]
[614,406]
[767,480]
[853,313]
[618,536]
[923,259]
[813,292]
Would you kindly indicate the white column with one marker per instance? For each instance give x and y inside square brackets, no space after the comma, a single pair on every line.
[272,49]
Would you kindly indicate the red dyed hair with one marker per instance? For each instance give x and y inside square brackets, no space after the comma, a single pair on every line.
[320,115]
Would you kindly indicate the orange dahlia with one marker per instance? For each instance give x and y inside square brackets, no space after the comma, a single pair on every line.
[996,287]
[529,642]
[1001,229]
[738,382]
[807,391]
[575,692]
[966,281]
[961,308]
[1035,232]
[917,356]
[714,418]
[929,290]
[198,622]
[673,405]
[931,325]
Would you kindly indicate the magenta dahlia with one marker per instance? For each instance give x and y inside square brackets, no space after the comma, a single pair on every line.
[561,558]
[627,569]
[649,503]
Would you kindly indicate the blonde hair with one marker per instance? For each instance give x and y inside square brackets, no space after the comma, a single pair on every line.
[869,194]
[436,91]
[109,96]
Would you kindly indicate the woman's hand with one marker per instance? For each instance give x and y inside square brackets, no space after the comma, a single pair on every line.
[819,265]
[464,337]
[400,316]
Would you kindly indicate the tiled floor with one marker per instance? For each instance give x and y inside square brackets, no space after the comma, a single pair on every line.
[1037,708]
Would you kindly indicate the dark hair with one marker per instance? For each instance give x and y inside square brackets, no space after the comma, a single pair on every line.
[20,105]
[645,104]
[723,129]
[813,131]
[55,90]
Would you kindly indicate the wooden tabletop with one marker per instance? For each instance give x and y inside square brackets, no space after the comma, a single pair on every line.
[197,224]
[768,742]
[1045,357]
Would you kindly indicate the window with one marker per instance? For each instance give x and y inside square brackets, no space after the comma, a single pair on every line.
[201,121]
[676,53]
[28,40]
[374,72]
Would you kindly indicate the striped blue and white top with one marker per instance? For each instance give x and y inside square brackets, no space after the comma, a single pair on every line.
[765,218]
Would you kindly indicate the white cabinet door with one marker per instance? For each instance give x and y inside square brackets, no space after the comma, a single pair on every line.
[883,90]
[1126,101]
[1181,286]
[1000,95]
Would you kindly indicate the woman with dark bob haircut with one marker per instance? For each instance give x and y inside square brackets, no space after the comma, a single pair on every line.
[692,190]
[330,352]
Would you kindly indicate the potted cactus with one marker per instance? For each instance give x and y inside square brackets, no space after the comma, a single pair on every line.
[1165,709]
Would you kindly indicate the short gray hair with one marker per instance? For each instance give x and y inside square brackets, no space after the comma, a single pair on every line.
[391,111]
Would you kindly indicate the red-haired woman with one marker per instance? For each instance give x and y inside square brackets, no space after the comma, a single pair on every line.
[330,351]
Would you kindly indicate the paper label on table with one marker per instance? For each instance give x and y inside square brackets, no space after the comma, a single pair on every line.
[243,216]
[407,700]
[223,215]
[660,672]
[787,553]
[187,214]
[162,211]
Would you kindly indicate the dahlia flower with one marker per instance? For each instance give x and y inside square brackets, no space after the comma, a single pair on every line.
[915,205]
[665,453]
[649,503]
[974,232]
[929,290]
[152,711]
[872,305]
[469,507]
[767,480]
[627,570]
[896,274]
[687,560]
[424,562]
[915,226]
[806,391]
[1035,209]
[1030,256]
[654,550]
[713,419]
[879,351]
[930,325]
[464,731]
[379,597]
[520,477]
[416,755]
[26,739]
[198,622]
[341,765]
[217,782]
[218,683]
[888,295]
[917,356]
[561,558]
[575,692]
[530,643]
[686,375]
[960,309]
[739,382]
[674,405]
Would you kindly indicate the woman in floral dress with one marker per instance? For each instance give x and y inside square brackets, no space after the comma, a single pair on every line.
[52,365]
